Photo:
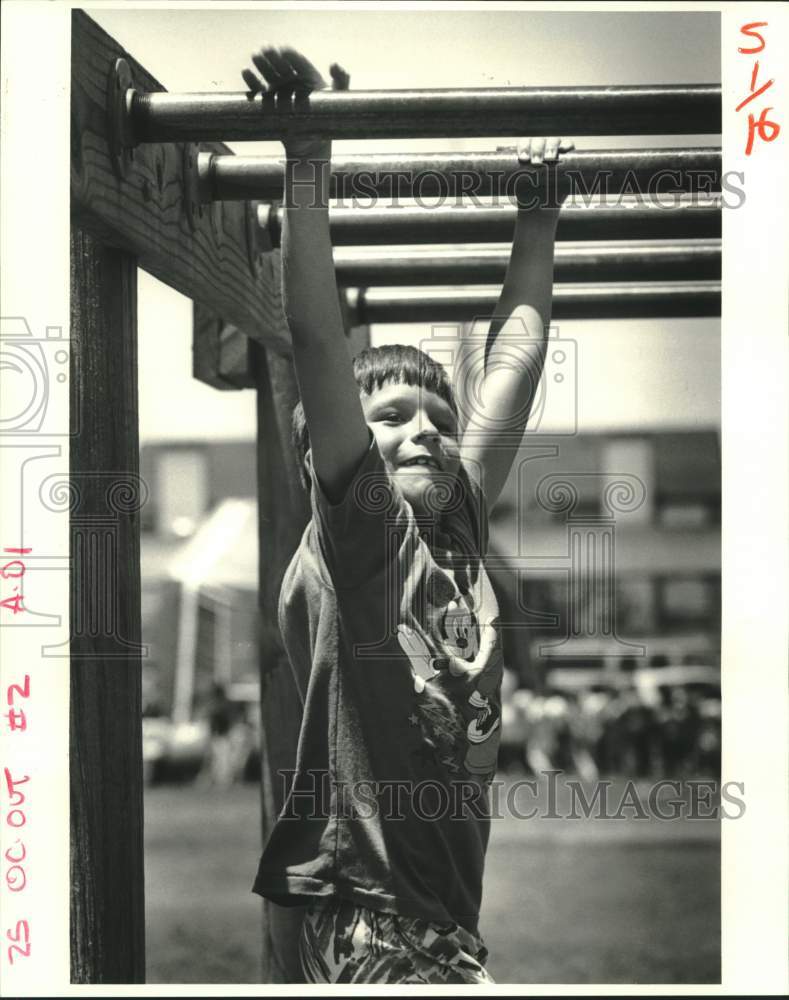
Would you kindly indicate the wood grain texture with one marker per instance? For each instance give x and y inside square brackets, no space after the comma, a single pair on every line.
[106,782]
[211,254]
[283,512]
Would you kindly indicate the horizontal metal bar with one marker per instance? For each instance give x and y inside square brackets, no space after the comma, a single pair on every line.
[606,301]
[681,109]
[652,172]
[591,262]
[387,225]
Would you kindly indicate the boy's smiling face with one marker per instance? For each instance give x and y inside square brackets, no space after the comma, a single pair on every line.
[417,435]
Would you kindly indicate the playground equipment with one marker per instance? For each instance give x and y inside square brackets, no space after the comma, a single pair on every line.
[628,218]
[400,114]
[143,194]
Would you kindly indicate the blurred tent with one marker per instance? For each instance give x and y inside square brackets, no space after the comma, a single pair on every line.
[217,570]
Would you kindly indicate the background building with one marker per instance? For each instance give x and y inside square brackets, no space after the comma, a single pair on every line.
[666,563]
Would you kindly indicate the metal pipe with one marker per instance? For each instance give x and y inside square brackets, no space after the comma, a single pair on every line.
[681,109]
[591,262]
[606,301]
[650,172]
[386,225]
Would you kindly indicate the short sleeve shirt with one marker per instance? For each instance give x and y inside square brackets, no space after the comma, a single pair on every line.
[396,625]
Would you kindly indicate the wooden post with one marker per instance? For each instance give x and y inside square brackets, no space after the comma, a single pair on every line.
[107,889]
[283,512]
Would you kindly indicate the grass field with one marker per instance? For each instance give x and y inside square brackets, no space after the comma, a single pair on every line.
[566,901]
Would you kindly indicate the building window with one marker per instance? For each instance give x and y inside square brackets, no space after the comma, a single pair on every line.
[685,516]
[632,459]
[688,479]
[689,602]
[636,606]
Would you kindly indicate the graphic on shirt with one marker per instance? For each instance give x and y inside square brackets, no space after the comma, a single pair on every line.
[460,633]
[482,750]
[459,709]
[456,632]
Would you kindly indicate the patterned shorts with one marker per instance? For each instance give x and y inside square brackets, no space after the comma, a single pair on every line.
[345,943]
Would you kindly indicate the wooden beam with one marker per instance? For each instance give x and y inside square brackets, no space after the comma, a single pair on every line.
[220,352]
[105,766]
[212,254]
[283,511]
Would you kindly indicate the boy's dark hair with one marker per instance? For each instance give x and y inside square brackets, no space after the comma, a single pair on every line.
[372,368]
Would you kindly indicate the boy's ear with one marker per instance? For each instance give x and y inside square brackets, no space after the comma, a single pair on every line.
[306,471]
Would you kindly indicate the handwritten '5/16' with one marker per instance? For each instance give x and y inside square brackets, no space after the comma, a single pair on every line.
[761,127]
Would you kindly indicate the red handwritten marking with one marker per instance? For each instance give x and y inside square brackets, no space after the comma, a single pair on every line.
[16,854]
[15,878]
[15,861]
[15,873]
[746,29]
[24,690]
[17,719]
[762,127]
[21,939]
[14,604]
[20,821]
[11,783]
[759,127]
[12,576]
[756,93]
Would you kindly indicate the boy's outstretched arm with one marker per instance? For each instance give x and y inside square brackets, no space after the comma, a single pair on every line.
[517,338]
[339,436]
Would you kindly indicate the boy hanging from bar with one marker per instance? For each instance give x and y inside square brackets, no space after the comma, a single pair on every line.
[386,605]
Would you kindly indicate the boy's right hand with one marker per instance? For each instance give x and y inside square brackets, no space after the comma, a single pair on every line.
[288,75]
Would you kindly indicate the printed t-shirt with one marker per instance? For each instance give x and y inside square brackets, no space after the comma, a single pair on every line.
[396,625]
